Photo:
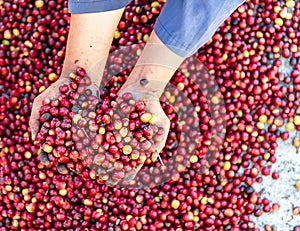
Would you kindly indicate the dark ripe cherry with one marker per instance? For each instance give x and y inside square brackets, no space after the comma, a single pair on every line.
[45,117]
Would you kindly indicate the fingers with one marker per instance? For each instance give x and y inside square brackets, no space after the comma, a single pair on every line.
[132,174]
[34,125]
[96,90]
[112,177]
[62,169]
[118,177]
[50,93]
[34,119]
[111,183]
[44,157]
[164,125]
[160,140]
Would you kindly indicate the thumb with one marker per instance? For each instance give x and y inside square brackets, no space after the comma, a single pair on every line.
[34,132]
[34,124]
[162,134]
[132,174]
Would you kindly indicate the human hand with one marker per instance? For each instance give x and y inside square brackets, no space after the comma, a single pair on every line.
[72,95]
[153,106]
[51,93]
[159,119]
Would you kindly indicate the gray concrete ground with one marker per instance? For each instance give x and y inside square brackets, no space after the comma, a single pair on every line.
[282,191]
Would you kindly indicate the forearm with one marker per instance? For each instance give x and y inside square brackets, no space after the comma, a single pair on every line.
[89,41]
[155,67]
[181,29]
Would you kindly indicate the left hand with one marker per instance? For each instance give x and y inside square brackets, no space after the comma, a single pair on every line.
[153,106]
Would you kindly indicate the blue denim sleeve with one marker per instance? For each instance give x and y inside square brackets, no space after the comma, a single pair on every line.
[93,6]
[183,25]
[186,25]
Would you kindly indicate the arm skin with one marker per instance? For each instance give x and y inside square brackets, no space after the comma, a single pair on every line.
[157,64]
[89,41]
[88,45]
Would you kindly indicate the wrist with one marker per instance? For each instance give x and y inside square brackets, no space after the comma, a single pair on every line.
[150,79]
[147,87]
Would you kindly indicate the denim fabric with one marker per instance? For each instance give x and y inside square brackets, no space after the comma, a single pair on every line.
[93,6]
[183,25]
[186,25]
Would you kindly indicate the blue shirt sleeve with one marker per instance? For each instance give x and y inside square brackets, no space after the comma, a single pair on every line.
[94,6]
[185,26]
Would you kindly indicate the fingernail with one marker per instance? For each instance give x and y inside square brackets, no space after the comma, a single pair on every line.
[33,136]
[110,183]
[44,157]
[62,169]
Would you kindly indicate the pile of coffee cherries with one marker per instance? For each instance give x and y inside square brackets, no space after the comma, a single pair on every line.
[247,57]
[79,129]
